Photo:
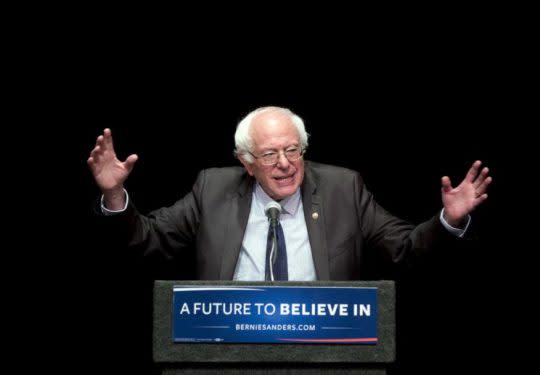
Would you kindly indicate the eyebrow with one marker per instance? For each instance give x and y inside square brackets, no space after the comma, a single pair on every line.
[275,149]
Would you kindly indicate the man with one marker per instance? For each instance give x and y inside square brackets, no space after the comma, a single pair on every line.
[329,219]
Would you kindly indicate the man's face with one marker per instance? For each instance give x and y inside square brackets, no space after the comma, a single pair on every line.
[275,132]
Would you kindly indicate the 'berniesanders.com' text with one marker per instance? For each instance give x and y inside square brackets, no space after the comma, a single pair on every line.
[275,327]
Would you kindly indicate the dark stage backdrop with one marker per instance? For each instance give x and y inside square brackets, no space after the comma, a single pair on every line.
[402,143]
[404,96]
[402,125]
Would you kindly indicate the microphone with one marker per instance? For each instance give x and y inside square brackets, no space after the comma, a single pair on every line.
[272,210]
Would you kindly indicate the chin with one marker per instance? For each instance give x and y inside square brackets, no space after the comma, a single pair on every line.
[284,192]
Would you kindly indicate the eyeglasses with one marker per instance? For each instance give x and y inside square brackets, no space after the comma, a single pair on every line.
[272,157]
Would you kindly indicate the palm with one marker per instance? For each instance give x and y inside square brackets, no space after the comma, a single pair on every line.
[459,201]
[109,172]
[463,199]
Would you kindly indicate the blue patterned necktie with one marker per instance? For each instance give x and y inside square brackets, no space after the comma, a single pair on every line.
[276,255]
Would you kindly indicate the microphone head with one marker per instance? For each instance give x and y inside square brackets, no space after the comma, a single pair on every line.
[272,210]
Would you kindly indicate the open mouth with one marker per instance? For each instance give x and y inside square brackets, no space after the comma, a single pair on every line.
[285,180]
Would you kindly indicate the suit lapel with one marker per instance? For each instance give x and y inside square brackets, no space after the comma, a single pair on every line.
[239,207]
[314,215]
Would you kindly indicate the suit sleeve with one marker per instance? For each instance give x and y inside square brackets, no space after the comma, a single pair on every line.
[165,231]
[399,240]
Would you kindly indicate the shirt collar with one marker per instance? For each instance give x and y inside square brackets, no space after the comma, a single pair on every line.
[289,205]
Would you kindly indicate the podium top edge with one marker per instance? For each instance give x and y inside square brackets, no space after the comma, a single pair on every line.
[358,283]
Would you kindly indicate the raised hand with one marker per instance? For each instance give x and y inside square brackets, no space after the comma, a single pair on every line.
[463,199]
[109,172]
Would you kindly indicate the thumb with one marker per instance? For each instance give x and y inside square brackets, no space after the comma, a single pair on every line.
[130,161]
[446,184]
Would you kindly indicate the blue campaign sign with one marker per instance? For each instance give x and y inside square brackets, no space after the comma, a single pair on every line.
[275,314]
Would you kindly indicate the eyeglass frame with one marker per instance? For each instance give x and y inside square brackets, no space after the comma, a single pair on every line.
[278,153]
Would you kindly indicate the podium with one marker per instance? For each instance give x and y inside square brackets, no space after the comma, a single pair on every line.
[269,358]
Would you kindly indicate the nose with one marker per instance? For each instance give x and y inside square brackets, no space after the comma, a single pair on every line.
[282,162]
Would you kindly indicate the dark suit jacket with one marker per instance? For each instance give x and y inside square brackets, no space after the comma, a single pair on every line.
[212,219]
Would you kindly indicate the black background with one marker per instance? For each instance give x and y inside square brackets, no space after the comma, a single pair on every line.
[403,103]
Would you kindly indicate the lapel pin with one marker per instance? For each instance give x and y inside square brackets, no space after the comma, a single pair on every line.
[315,215]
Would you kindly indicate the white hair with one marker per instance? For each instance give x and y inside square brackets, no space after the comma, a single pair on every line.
[242,136]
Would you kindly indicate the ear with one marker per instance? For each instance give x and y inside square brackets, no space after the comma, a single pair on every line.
[248,166]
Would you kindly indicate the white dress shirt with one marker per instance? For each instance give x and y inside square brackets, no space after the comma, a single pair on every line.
[252,260]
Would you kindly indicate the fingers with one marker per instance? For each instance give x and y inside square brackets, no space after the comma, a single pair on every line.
[107,138]
[104,141]
[95,154]
[480,181]
[481,177]
[480,199]
[473,171]
[481,189]
[103,145]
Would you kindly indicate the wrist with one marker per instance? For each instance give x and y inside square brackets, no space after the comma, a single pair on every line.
[114,199]
[453,221]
